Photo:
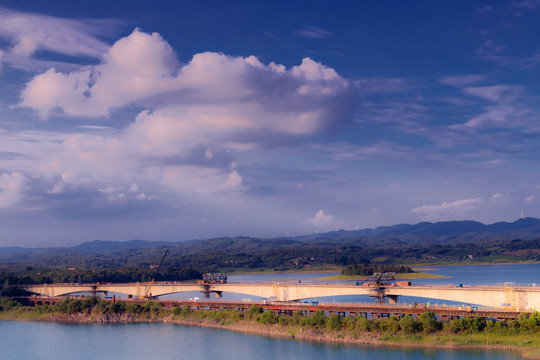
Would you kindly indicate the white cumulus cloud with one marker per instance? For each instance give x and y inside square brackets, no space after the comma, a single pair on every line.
[323,221]
[447,210]
[11,189]
[142,69]
[196,113]
[196,120]
[28,33]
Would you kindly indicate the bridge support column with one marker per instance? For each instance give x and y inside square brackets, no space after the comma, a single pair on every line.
[392,299]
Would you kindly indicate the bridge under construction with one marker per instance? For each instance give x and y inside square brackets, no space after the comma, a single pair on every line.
[508,296]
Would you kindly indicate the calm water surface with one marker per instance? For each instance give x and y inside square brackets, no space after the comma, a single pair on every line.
[465,274]
[486,274]
[37,341]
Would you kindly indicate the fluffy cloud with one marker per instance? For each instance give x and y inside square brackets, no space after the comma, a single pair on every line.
[447,209]
[29,33]
[197,118]
[507,110]
[143,69]
[323,221]
[11,188]
[495,93]
[461,80]
[497,116]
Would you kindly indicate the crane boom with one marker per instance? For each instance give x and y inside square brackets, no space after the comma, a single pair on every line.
[154,277]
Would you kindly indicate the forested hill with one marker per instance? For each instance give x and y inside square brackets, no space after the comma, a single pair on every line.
[439,232]
[443,242]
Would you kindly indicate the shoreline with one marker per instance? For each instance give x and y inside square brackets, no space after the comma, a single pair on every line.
[434,265]
[419,266]
[400,276]
[295,332]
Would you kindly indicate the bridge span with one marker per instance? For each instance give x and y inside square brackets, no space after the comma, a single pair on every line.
[517,297]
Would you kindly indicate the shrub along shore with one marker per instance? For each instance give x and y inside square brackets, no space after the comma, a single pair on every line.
[522,334]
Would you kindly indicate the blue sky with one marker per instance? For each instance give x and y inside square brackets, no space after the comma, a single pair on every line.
[176,120]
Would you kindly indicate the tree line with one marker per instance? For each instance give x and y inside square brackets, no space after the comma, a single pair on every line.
[370,269]
[50,276]
[254,254]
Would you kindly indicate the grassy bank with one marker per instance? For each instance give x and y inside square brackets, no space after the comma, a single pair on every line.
[521,335]
[313,269]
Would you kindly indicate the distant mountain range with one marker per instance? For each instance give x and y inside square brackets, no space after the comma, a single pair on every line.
[105,246]
[446,231]
[401,234]
[450,242]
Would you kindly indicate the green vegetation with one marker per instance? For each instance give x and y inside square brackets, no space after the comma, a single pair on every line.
[404,276]
[87,306]
[370,269]
[48,276]
[248,254]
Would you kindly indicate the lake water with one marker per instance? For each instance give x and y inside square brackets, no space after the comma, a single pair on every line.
[37,340]
[465,274]
[47,341]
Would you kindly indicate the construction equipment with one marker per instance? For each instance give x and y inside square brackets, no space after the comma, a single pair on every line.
[148,295]
[378,279]
[378,283]
[208,280]
[214,278]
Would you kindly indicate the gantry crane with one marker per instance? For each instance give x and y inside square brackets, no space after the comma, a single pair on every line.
[148,295]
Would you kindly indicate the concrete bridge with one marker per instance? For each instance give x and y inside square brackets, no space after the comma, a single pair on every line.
[516,297]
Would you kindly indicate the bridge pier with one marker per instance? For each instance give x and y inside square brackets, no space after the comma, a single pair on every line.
[380,315]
